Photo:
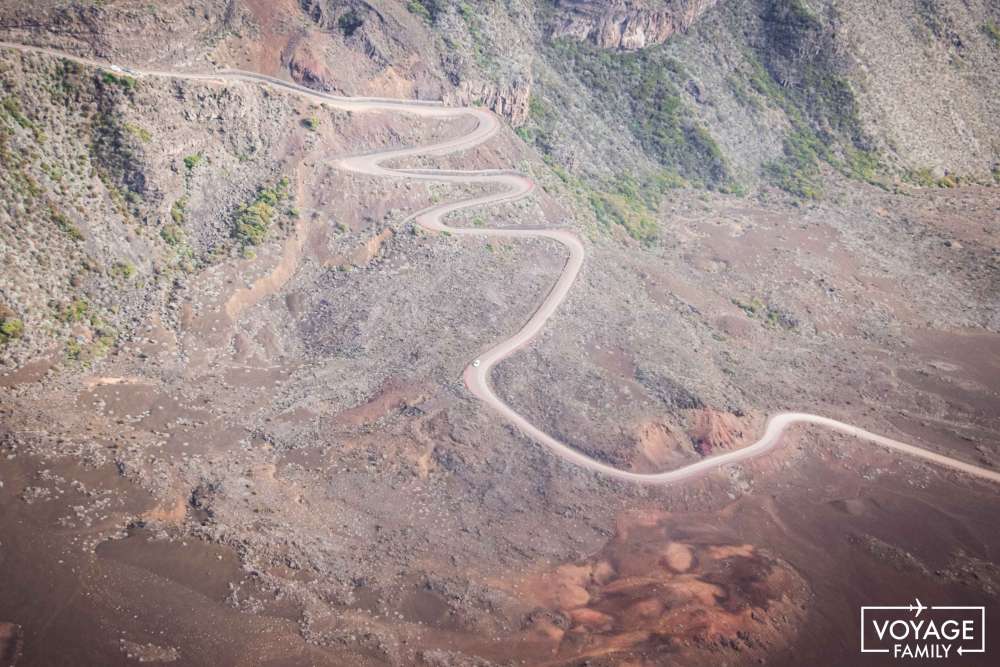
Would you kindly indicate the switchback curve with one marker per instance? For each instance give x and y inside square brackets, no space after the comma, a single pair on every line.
[517,186]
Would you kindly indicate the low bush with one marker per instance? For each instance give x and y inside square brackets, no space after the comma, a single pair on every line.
[10,328]
[253,220]
[349,22]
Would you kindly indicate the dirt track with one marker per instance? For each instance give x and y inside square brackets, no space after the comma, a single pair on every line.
[517,186]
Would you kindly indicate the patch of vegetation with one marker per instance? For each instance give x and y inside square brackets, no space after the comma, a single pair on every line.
[948,181]
[127,83]
[178,211]
[311,123]
[932,20]
[76,311]
[11,327]
[742,94]
[64,225]
[12,108]
[349,22]
[632,204]
[771,316]
[863,165]
[924,177]
[116,154]
[192,161]
[617,208]
[537,109]
[800,76]
[647,85]
[991,30]
[253,220]
[429,10]
[798,171]
[482,47]
[172,234]
[139,132]
[123,271]
[85,353]
[66,82]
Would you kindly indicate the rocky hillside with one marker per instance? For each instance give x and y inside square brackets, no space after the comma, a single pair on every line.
[774,91]
[625,24]
[116,191]
[624,99]
[232,418]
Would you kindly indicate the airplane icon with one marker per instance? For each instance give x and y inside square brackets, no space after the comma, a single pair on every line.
[918,607]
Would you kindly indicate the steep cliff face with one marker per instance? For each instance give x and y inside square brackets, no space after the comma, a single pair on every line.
[626,24]
[510,99]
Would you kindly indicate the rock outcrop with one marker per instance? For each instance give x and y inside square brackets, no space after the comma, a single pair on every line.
[711,430]
[509,98]
[307,67]
[626,24]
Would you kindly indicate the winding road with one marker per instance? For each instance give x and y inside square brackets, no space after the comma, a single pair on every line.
[516,186]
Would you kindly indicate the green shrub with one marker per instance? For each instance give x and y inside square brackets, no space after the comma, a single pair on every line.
[76,311]
[863,165]
[253,220]
[63,223]
[311,123]
[172,234]
[425,9]
[613,208]
[923,177]
[10,328]
[771,316]
[104,337]
[141,133]
[349,22]
[177,210]
[253,223]
[537,109]
[192,161]
[13,109]
[993,32]
[126,82]
[123,271]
